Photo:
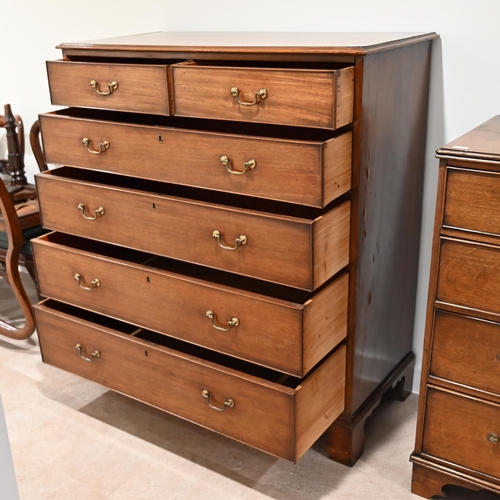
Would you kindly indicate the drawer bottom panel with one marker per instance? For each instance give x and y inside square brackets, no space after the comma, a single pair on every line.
[463,430]
[278,414]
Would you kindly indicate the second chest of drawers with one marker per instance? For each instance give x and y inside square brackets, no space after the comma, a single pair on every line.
[458,430]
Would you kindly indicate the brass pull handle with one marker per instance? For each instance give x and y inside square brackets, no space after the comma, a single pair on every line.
[248,165]
[98,212]
[493,438]
[232,322]
[259,96]
[93,284]
[229,402]
[103,146]
[240,240]
[81,350]
[111,87]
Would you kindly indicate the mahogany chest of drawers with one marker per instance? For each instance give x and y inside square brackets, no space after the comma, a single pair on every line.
[235,223]
[459,414]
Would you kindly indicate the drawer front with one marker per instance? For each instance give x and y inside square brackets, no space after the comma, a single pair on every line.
[308,98]
[461,343]
[469,275]
[285,336]
[277,419]
[457,430]
[285,250]
[306,173]
[140,88]
[473,201]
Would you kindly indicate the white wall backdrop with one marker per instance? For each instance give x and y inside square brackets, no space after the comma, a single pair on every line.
[465,74]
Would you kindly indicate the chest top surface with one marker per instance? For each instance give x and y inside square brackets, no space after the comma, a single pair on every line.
[221,42]
[483,142]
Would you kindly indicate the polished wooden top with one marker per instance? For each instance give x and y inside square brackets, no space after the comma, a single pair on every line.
[223,42]
[483,142]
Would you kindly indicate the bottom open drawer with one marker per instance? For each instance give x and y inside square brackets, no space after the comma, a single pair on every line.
[276,413]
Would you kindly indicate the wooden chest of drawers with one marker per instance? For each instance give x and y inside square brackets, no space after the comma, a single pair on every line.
[459,414]
[236,225]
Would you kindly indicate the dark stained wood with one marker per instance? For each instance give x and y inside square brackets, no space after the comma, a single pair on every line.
[385,228]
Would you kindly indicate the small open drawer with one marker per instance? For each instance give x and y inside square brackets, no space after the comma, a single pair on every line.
[220,393]
[142,88]
[306,97]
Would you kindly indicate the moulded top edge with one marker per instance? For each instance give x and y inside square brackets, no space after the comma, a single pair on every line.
[482,142]
[245,42]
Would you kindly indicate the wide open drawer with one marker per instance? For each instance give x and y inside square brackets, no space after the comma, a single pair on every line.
[280,415]
[289,250]
[289,335]
[320,98]
[292,168]
[123,87]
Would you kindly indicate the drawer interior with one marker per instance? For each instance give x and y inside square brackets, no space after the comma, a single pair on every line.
[313,65]
[199,124]
[274,208]
[149,338]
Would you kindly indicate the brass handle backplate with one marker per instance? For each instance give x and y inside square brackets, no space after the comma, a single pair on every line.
[93,284]
[81,350]
[98,212]
[258,96]
[240,240]
[493,438]
[228,403]
[232,322]
[111,87]
[103,146]
[247,166]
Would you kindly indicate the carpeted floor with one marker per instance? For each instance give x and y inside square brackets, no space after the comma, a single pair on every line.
[72,439]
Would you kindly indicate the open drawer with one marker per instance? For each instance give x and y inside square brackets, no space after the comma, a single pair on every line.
[220,393]
[291,333]
[302,250]
[142,88]
[305,97]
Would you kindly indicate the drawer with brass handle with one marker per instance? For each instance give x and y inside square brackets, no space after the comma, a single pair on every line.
[462,431]
[296,251]
[307,169]
[217,392]
[319,98]
[289,334]
[139,88]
